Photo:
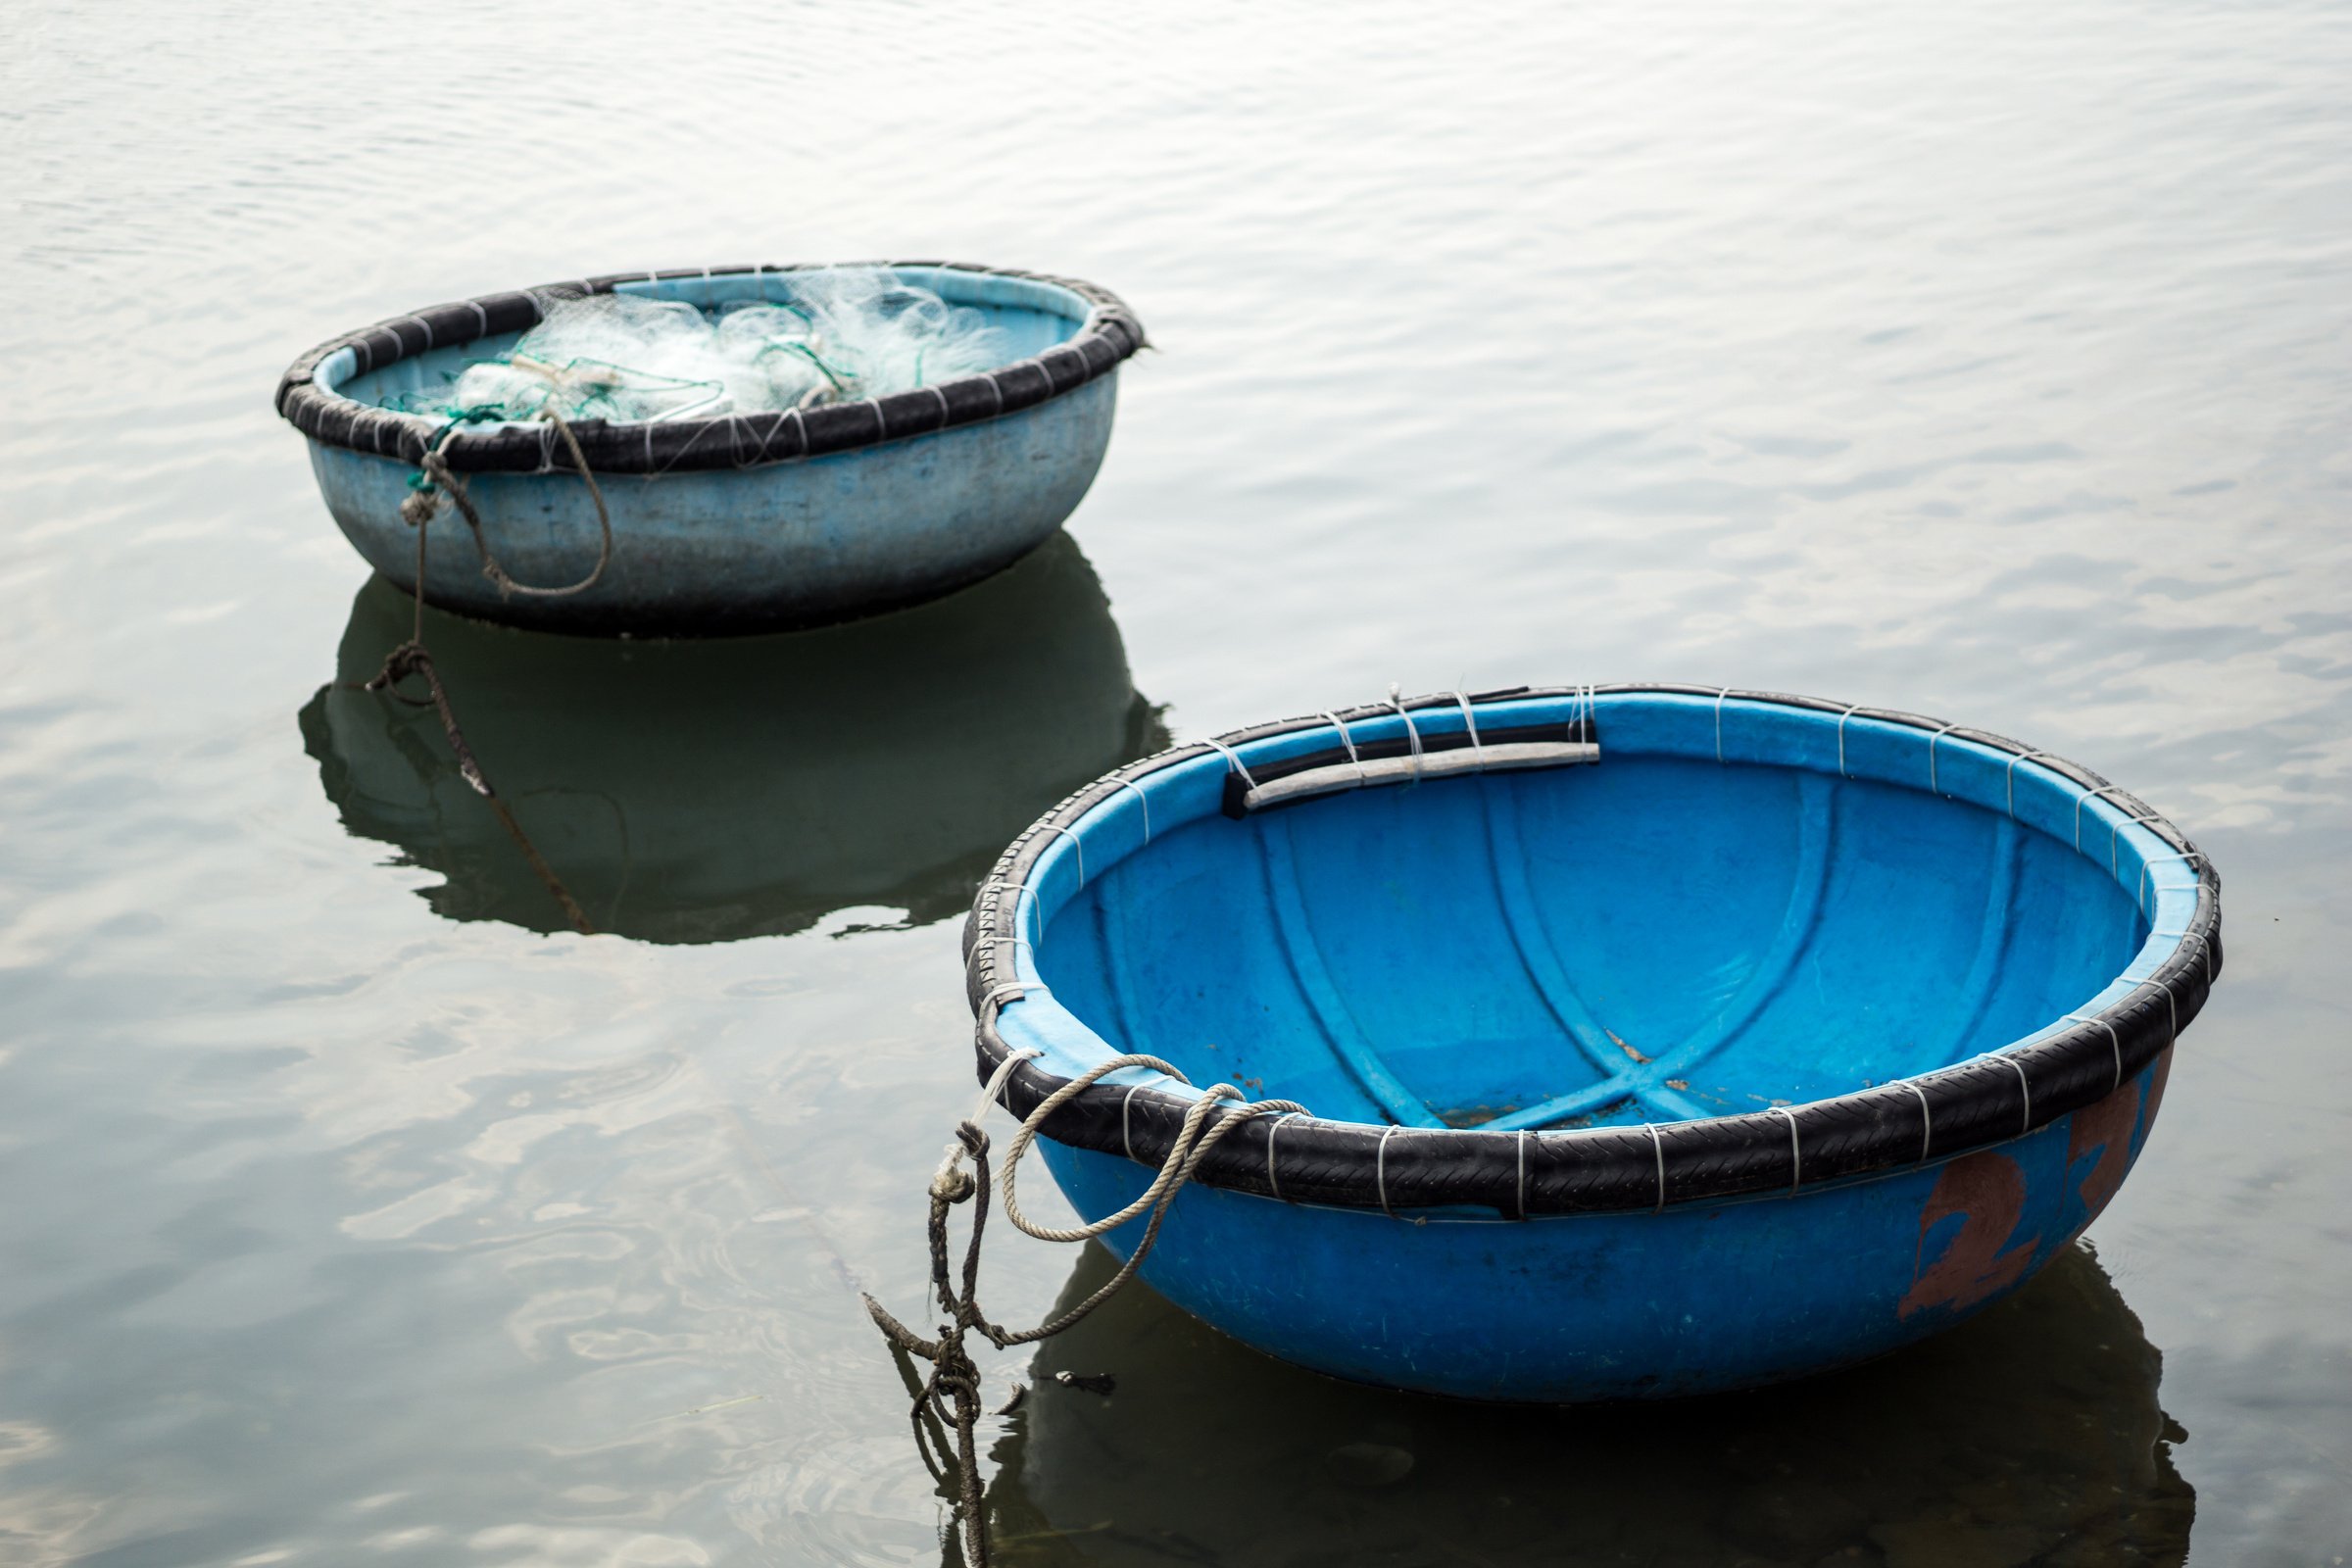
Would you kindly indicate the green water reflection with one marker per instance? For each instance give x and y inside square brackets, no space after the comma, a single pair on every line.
[709,790]
[2031,1434]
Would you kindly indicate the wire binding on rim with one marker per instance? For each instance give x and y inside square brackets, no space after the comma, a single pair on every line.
[2016,757]
[1932,740]
[1347,740]
[2025,1088]
[1234,760]
[1412,733]
[1077,847]
[2083,799]
[2114,1039]
[1797,1158]
[1127,783]
[1126,1122]
[1469,721]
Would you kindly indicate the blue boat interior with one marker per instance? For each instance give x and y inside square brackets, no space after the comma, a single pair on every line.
[1655,937]
[1033,315]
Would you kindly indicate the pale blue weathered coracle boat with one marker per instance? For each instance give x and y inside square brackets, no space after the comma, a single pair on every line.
[744,522]
[1656,1039]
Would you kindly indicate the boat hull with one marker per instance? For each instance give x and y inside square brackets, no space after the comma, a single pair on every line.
[1569,1308]
[714,552]
[1606,1044]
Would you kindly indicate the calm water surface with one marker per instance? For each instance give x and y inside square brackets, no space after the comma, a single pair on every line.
[1992,361]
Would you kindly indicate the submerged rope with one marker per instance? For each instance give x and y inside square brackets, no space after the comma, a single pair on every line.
[950,1395]
[412,657]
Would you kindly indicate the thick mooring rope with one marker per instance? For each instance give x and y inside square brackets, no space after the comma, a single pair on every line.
[952,1392]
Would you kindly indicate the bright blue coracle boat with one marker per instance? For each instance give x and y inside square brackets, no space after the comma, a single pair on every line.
[735,523]
[1656,1039]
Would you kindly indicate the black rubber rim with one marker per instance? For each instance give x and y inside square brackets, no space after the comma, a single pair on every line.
[1913,1121]
[1109,335]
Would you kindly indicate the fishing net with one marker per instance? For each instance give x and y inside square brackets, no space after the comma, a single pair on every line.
[837,336]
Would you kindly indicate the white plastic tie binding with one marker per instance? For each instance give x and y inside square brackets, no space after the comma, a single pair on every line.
[1657,1143]
[1413,734]
[1020,891]
[1523,1173]
[1273,1181]
[1469,719]
[1719,697]
[1126,1126]
[1077,848]
[1927,1119]
[1354,758]
[2185,857]
[2016,757]
[2113,1039]
[1234,763]
[2204,947]
[1797,1158]
[2171,1013]
[2087,795]
[1932,740]
[1380,1169]
[1842,718]
[2024,1089]
[2115,836]
[993,1092]
[1143,800]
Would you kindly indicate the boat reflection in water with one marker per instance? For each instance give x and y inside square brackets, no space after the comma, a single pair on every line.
[2031,1434]
[709,791]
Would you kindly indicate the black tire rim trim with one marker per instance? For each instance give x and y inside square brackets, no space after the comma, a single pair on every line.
[1108,338]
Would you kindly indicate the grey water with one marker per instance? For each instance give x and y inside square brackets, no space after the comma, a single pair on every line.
[1988,361]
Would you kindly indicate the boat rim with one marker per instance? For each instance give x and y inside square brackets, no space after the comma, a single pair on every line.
[1929,1118]
[308,395]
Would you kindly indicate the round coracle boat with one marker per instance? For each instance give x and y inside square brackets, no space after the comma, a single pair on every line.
[1655,1040]
[713,522]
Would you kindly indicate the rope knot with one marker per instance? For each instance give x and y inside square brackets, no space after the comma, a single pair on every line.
[951,1183]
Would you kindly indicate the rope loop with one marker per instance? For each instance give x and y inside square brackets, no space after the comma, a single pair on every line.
[439,479]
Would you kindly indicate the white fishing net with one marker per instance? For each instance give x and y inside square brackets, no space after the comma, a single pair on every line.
[839,336]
